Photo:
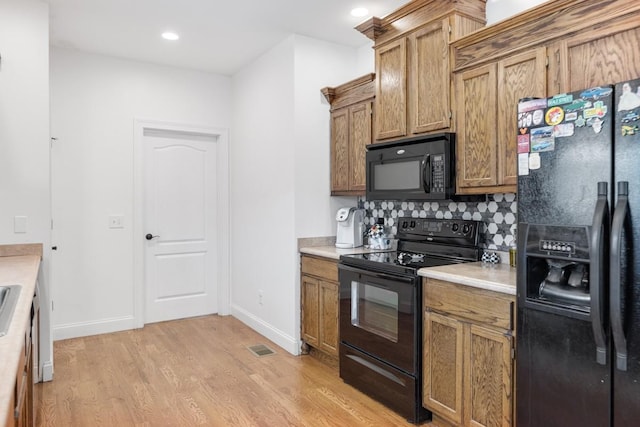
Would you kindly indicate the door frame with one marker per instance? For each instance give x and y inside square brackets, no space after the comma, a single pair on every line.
[223,243]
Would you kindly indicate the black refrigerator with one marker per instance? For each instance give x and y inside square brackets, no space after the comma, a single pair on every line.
[578,277]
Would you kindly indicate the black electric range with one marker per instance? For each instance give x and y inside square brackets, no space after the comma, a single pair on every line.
[380,310]
[424,243]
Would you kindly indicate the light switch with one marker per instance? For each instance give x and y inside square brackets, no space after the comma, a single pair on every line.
[19,224]
[116,221]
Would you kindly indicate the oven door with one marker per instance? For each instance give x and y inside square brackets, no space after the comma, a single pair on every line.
[379,315]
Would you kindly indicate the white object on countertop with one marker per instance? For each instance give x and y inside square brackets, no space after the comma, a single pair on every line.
[379,243]
[350,227]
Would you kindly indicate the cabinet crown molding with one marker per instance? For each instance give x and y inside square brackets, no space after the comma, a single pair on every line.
[554,19]
[372,28]
[417,12]
[351,92]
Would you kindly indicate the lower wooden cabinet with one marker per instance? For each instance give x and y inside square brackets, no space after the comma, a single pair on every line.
[319,298]
[21,409]
[468,355]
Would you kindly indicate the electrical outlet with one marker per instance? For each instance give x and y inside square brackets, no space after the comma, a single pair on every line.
[260,295]
[20,224]
[116,221]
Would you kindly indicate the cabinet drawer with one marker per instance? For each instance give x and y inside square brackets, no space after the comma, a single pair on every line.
[477,305]
[320,267]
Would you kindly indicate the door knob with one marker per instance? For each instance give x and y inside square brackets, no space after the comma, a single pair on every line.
[150,236]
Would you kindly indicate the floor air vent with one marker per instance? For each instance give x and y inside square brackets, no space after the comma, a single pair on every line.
[261,350]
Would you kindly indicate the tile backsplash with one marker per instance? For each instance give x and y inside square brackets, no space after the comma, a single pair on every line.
[497,213]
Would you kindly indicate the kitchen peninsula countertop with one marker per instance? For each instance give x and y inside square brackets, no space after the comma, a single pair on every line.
[492,277]
[19,265]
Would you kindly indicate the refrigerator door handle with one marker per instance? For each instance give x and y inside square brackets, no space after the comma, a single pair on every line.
[599,232]
[619,217]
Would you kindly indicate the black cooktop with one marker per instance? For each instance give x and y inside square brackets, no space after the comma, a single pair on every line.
[400,262]
[423,243]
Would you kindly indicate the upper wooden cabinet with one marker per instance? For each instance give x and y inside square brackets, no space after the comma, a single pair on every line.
[487,98]
[391,90]
[598,57]
[351,122]
[413,64]
[560,46]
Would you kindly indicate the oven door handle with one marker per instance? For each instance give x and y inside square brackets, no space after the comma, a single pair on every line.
[377,274]
[390,277]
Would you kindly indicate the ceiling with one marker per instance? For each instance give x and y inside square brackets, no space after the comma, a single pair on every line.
[219,36]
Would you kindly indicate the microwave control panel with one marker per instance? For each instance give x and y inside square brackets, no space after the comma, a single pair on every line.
[437,174]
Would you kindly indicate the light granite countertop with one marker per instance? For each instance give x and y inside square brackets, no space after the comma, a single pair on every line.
[22,270]
[492,277]
[334,253]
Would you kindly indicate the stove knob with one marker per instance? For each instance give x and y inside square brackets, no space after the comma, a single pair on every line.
[455,226]
[413,224]
[404,224]
[466,228]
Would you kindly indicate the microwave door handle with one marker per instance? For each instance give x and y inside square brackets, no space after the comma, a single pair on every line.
[426,173]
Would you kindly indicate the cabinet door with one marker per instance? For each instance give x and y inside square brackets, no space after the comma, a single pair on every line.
[310,310]
[488,378]
[476,98]
[340,150]
[520,76]
[360,137]
[591,59]
[328,321]
[11,420]
[429,78]
[442,366]
[391,90]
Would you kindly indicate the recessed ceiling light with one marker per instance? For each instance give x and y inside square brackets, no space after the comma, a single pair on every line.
[359,12]
[169,35]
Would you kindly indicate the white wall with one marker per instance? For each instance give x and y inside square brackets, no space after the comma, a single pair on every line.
[24,137]
[280,177]
[366,59]
[498,10]
[262,194]
[94,100]
[317,64]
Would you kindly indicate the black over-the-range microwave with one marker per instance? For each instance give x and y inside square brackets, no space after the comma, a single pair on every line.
[418,168]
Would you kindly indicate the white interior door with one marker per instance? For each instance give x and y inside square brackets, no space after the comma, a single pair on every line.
[180,193]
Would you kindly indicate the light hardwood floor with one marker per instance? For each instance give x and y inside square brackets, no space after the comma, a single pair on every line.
[196,372]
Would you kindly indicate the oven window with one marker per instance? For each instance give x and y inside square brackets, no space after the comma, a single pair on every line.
[375,310]
[397,176]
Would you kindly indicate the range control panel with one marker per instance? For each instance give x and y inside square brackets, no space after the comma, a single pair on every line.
[439,230]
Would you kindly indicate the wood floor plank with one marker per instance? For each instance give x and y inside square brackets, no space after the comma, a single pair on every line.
[197,372]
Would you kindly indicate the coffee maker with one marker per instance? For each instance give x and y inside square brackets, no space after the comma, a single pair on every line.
[350,227]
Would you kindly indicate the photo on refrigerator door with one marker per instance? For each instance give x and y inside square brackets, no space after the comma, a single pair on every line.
[628,109]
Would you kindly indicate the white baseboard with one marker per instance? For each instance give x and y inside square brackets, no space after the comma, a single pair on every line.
[83,329]
[259,325]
